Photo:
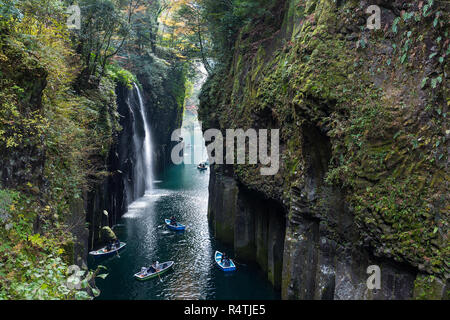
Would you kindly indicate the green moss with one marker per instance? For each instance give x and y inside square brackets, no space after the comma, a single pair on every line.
[389,162]
[55,139]
[69,250]
[33,265]
[120,75]
[428,287]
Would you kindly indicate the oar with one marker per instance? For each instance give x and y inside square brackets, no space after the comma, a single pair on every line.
[159,277]
[117,252]
[157,272]
[241,264]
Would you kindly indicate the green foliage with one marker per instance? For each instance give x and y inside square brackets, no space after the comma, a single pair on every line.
[226,18]
[58,120]
[54,143]
[429,287]
[8,10]
[144,26]
[121,76]
[388,162]
[32,266]
[195,40]
[7,198]
[395,25]
[104,30]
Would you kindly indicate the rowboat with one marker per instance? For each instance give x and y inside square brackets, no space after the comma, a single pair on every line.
[145,274]
[202,168]
[178,227]
[229,267]
[103,252]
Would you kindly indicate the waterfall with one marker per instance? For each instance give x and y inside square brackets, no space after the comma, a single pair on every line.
[147,146]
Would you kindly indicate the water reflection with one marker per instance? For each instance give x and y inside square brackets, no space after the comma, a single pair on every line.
[181,192]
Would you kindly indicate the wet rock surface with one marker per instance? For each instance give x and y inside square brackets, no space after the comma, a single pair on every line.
[348,194]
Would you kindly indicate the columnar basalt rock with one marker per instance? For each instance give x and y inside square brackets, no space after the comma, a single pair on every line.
[222,207]
[357,186]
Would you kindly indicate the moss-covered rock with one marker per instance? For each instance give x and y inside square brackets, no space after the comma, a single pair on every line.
[362,116]
[430,288]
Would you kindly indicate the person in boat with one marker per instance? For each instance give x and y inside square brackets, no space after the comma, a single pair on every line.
[109,246]
[225,260]
[109,237]
[117,244]
[173,221]
[154,267]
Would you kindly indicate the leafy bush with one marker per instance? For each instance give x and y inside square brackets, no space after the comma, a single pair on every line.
[8,11]
[225,19]
[53,143]
[121,75]
[7,198]
[32,265]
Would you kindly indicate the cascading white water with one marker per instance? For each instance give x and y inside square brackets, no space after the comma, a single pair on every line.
[147,148]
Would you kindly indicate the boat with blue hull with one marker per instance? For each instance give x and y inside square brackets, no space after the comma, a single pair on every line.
[226,266]
[177,227]
[104,252]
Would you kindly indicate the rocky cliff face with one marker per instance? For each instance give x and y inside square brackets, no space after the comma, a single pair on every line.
[111,195]
[164,106]
[163,85]
[363,149]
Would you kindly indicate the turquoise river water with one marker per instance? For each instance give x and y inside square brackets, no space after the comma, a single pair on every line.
[182,192]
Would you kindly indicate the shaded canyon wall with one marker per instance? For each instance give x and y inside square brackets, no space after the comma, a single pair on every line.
[124,184]
[354,188]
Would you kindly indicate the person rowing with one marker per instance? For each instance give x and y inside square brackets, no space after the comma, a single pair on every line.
[173,221]
[110,238]
[225,260]
[154,267]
